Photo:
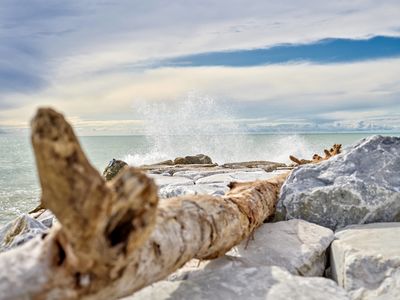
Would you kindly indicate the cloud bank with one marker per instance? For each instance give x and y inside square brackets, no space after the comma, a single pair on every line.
[97,60]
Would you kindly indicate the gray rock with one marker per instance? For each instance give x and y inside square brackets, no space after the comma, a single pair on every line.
[365,260]
[295,245]
[197,174]
[168,162]
[239,176]
[171,170]
[163,181]
[361,185]
[113,168]
[169,191]
[264,283]
[47,218]
[192,160]
[19,231]
[267,166]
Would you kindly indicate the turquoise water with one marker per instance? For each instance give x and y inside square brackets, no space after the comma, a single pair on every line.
[19,188]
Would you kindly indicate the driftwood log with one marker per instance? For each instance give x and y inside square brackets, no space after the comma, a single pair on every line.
[113,238]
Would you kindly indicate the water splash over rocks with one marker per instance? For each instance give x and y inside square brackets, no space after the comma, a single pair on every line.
[200,124]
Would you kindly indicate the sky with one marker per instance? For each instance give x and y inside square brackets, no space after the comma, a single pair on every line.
[296,66]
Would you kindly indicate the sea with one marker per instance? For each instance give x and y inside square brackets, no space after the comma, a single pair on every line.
[20,189]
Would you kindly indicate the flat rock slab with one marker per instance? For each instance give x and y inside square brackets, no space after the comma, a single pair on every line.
[198,189]
[210,182]
[365,260]
[197,174]
[236,176]
[160,169]
[163,181]
[268,166]
[361,185]
[295,245]
[262,283]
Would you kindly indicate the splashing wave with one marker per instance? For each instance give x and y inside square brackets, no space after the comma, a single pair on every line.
[199,124]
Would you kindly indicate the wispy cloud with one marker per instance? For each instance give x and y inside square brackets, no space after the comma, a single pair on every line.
[315,93]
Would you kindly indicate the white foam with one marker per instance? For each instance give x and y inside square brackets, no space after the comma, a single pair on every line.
[199,124]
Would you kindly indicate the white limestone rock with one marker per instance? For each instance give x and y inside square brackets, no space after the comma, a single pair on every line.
[365,260]
[199,189]
[257,283]
[163,181]
[361,185]
[236,176]
[47,218]
[210,182]
[295,245]
[197,174]
[19,231]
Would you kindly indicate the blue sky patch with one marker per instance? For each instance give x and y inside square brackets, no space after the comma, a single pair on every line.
[323,51]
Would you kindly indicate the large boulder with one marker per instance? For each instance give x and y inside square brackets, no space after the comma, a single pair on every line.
[365,260]
[361,185]
[263,283]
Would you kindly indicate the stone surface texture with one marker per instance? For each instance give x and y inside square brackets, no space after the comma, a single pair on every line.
[195,159]
[113,168]
[234,282]
[365,260]
[268,166]
[19,231]
[216,189]
[296,245]
[211,181]
[361,185]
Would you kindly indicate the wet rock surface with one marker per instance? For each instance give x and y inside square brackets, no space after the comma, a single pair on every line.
[361,185]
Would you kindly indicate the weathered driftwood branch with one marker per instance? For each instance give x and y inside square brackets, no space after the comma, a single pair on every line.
[112,239]
[335,150]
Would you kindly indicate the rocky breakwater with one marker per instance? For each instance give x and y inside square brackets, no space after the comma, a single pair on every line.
[192,176]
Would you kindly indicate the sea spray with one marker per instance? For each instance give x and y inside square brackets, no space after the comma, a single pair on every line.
[200,124]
